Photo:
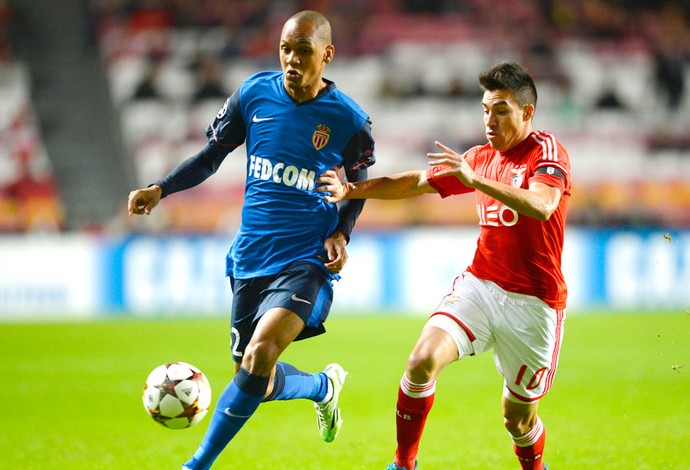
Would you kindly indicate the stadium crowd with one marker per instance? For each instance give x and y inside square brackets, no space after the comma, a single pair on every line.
[29,200]
[613,77]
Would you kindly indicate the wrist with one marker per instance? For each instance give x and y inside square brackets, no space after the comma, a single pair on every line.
[340,235]
[349,190]
[475,182]
[158,190]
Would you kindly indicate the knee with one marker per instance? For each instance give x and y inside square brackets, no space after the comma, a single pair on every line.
[421,366]
[260,357]
[518,425]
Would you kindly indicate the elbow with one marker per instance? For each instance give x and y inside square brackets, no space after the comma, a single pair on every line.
[544,214]
[545,202]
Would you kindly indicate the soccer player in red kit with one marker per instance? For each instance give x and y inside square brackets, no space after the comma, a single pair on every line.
[512,297]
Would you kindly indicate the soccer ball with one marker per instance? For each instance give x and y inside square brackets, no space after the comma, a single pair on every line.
[177,395]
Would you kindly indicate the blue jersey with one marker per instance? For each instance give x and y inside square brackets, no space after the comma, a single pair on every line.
[289,145]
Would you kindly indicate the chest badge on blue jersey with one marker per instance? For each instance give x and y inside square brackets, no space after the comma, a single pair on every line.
[321,136]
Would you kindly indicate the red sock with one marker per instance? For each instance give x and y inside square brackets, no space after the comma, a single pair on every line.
[414,403]
[530,447]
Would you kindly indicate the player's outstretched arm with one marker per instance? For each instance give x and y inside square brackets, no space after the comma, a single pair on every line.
[539,201]
[142,201]
[397,186]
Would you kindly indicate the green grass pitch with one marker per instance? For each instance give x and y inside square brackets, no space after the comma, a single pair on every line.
[71,396]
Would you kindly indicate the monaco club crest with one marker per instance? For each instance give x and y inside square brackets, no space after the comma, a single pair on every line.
[321,136]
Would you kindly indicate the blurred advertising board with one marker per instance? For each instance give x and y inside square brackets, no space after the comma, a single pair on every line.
[47,276]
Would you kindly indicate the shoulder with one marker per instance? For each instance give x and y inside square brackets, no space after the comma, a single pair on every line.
[346,102]
[261,86]
[261,79]
[480,149]
[546,141]
[546,146]
[479,153]
[266,75]
[550,159]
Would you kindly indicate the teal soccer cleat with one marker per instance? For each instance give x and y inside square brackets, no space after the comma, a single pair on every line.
[395,467]
[328,415]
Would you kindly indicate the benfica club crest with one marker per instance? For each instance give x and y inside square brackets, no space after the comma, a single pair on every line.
[518,176]
[321,136]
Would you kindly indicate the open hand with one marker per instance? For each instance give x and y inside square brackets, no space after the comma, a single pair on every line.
[453,164]
[329,182]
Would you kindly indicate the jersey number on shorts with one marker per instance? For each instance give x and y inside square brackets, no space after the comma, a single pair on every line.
[235,341]
[534,381]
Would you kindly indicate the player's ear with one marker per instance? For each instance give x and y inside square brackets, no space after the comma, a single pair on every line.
[329,53]
[528,112]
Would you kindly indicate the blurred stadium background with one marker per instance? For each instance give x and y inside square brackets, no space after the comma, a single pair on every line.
[98,97]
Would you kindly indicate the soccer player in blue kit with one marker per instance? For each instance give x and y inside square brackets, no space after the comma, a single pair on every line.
[291,243]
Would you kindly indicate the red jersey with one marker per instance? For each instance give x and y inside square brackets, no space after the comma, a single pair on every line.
[519,253]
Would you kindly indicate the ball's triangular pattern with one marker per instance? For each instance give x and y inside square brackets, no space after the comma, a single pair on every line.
[177,395]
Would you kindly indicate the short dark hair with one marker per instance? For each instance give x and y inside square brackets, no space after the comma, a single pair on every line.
[320,22]
[510,76]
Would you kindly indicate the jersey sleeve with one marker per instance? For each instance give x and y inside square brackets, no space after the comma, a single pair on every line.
[552,164]
[449,185]
[193,170]
[227,129]
[359,151]
[358,155]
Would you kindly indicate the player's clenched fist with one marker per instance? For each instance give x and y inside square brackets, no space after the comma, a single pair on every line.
[142,201]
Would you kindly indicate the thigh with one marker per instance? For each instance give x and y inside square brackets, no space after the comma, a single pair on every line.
[463,314]
[303,289]
[527,347]
[246,301]
[432,352]
[274,332]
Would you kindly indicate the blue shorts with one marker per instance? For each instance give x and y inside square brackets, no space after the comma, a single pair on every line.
[303,288]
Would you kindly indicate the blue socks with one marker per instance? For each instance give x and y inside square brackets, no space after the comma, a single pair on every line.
[291,383]
[242,397]
[235,406]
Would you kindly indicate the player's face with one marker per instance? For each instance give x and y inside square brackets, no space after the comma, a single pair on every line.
[303,57]
[506,122]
